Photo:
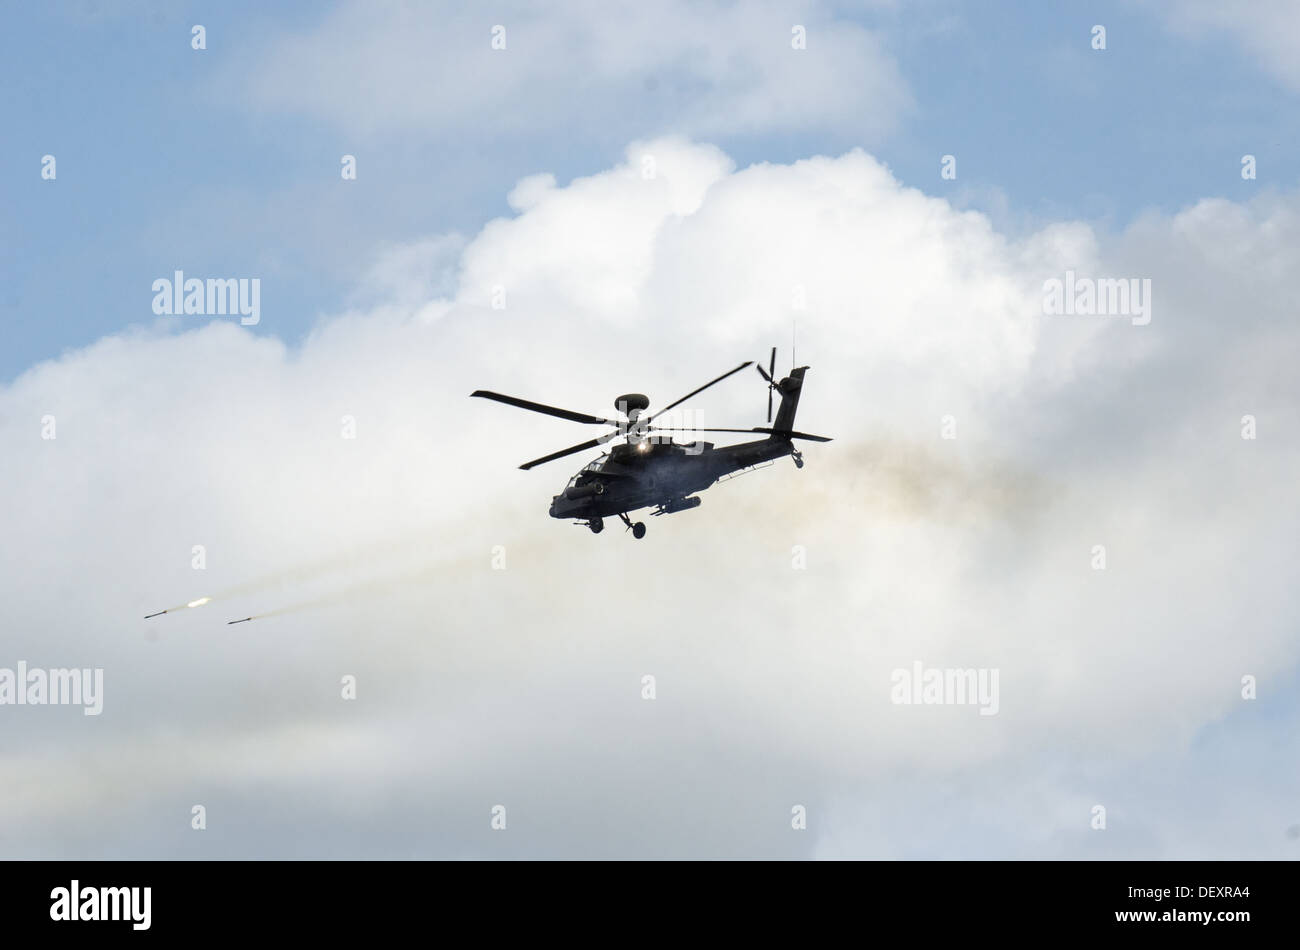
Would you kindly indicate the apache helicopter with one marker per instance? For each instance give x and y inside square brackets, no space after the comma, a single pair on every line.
[647,470]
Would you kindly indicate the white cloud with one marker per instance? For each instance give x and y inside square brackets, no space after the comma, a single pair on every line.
[1267,30]
[699,68]
[522,686]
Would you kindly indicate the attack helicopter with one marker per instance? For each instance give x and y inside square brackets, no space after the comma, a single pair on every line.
[647,470]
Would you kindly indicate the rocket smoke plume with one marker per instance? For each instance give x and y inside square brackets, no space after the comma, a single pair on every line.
[373,587]
[362,555]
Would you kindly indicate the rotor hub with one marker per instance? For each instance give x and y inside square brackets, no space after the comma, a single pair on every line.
[631,402]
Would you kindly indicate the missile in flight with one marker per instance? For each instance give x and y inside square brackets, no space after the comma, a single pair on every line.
[193,603]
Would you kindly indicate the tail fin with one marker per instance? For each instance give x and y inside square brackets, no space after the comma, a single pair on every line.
[789,388]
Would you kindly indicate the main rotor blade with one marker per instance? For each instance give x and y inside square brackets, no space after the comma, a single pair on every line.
[793,435]
[590,444]
[547,410]
[695,429]
[762,372]
[772,372]
[695,392]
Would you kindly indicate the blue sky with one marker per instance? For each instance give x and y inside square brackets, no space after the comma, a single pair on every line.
[163,163]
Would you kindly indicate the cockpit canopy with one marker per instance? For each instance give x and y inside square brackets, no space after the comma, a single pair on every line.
[589,469]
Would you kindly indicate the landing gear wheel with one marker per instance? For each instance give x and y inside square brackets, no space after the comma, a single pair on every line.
[638,529]
[597,525]
[798,458]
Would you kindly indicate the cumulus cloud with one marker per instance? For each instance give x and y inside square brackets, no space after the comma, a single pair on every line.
[701,68]
[1266,30]
[522,686]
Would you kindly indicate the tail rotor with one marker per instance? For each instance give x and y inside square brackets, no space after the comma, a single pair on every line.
[769,375]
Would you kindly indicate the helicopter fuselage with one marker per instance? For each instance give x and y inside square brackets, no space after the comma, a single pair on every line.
[659,474]
[649,470]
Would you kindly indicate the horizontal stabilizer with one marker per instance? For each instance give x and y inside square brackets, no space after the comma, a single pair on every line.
[794,435]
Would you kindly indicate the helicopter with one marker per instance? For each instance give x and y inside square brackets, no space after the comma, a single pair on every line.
[650,471]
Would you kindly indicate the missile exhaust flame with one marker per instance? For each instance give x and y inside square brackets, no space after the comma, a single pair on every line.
[193,603]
